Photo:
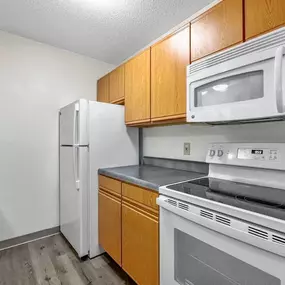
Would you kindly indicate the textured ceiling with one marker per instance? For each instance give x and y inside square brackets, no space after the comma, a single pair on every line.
[108,30]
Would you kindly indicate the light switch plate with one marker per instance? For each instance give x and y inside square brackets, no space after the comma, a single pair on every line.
[187,148]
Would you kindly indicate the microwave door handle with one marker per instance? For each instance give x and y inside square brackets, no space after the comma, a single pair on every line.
[278,78]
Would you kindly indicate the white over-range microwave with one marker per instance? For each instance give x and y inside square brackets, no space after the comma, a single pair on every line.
[242,84]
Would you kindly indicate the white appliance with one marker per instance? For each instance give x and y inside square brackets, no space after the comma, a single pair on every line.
[92,135]
[244,83]
[229,227]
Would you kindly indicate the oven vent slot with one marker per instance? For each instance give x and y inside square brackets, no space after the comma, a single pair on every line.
[257,232]
[278,239]
[206,214]
[223,220]
[171,202]
[183,206]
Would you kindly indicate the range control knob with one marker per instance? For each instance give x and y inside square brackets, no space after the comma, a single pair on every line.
[220,153]
[212,152]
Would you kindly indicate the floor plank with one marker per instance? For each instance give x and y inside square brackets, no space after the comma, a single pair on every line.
[51,261]
[16,267]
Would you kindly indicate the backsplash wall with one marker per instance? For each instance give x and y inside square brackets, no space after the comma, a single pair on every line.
[167,142]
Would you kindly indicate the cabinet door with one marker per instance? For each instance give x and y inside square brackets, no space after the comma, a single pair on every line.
[140,246]
[117,85]
[218,28]
[262,16]
[137,89]
[110,225]
[103,89]
[169,59]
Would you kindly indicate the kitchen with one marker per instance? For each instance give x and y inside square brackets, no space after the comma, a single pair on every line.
[174,109]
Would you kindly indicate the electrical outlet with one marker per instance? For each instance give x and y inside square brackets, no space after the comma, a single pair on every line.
[187,148]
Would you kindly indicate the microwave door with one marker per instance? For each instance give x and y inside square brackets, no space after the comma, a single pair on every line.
[240,89]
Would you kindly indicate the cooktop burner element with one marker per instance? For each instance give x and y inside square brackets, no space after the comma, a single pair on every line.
[259,199]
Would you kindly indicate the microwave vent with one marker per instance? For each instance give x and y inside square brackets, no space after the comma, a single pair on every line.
[270,40]
[241,122]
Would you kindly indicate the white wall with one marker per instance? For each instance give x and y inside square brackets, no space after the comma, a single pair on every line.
[168,142]
[35,81]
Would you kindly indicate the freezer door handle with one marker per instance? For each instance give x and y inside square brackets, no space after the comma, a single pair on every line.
[75,124]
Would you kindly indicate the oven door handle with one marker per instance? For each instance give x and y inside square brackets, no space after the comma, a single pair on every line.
[278,78]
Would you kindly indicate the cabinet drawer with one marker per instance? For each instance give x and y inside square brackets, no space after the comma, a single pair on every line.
[110,185]
[140,195]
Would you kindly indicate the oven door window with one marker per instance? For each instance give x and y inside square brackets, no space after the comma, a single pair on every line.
[237,88]
[198,263]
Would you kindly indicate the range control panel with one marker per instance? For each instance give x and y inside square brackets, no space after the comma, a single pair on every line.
[258,154]
[271,155]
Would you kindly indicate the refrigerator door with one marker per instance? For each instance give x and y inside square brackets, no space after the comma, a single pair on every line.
[74,124]
[112,144]
[74,169]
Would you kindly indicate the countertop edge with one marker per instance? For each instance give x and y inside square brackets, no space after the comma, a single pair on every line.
[129,179]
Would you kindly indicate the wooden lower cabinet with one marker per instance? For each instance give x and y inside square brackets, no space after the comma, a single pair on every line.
[110,209]
[140,245]
[140,234]
[129,228]
[110,217]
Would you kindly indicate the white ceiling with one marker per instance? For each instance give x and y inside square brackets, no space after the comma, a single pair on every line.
[108,30]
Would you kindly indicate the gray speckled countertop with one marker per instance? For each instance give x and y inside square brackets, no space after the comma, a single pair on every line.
[148,176]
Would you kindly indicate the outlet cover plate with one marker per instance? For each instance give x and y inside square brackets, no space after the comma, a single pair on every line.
[187,148]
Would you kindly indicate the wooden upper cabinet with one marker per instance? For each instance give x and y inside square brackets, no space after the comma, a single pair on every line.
[117,85]
[169,59]
[137,89]
[103,89]
[262,16]
[218,28]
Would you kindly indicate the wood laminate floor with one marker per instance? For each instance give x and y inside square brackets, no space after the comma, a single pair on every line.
[51,261]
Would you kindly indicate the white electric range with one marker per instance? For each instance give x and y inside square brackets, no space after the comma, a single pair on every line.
[229,227]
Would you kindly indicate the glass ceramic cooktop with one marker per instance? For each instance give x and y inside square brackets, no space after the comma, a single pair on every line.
[262,200]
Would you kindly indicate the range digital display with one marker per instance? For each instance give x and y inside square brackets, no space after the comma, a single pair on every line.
[257,151]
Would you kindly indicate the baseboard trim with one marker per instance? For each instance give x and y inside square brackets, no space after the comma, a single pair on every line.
[5,244]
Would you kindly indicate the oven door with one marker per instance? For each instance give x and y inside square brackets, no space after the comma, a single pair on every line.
[248,87]
[191,254]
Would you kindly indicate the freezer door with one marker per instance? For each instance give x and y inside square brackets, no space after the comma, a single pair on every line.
[74,197]
[74,123]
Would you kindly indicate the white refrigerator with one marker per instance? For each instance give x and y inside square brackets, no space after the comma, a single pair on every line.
[93,135]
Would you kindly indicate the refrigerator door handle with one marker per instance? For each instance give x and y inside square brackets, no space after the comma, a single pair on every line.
[75,166]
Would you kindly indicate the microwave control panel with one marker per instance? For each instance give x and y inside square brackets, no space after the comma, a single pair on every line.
[271,155]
